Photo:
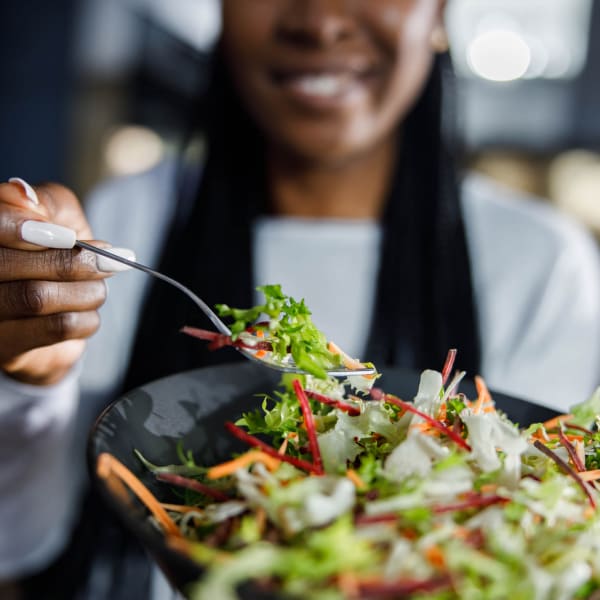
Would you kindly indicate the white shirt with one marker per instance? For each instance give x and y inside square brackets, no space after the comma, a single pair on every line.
[536,278]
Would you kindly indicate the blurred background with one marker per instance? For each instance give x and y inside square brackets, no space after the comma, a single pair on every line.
[94,88]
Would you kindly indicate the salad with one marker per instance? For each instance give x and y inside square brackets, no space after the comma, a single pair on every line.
[348,491]
[279,331]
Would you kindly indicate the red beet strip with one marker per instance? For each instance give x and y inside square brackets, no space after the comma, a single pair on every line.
[309,423]
[352,410]
[447,369]
[571,452]
[474,502]
[402,588]
[251,440]
[568,425]
[192,484]
[219,340]
[375,519]
[455,437]
[567,469]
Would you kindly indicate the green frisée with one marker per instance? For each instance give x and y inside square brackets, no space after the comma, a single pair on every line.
[277,330]
[352,492]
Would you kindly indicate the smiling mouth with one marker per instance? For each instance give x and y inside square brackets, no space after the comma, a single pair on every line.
[322,86]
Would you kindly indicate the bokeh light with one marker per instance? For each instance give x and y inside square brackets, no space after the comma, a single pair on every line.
[131,149]
[499,55]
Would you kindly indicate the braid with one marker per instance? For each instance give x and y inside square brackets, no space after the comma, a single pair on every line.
[425,299]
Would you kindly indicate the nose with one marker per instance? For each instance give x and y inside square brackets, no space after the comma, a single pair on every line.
[317,22]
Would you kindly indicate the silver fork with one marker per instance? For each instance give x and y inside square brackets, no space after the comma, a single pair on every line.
[288,367]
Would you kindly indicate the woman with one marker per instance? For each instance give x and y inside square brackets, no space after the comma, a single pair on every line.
[326,171]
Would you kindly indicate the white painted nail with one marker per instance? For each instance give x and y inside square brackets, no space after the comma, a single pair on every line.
[29,191]
[48,235]
[108,265]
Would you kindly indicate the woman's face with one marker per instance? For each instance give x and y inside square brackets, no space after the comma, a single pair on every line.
[328,80]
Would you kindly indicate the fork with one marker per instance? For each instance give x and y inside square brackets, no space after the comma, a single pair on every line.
[288,367]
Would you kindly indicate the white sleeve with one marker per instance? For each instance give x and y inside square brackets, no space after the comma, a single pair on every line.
[536,277]
[555,357]
[38,484]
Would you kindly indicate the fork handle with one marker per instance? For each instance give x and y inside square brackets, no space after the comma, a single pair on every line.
[136,265]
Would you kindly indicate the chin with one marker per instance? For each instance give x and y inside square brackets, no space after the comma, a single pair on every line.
[330,154]
[330,148]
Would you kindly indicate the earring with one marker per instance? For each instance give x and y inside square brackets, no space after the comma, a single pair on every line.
[439,40]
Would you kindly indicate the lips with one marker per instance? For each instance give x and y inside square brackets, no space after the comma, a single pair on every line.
[324,87]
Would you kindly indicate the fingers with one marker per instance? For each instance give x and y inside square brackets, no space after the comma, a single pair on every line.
[28,334]
[24,299]
[48,203]
[48,297]
[51,265]
[19,193]
[45,366]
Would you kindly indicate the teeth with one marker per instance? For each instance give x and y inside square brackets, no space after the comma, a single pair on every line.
[322,85]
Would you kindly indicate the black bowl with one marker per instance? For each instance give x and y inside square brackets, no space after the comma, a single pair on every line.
[190,409]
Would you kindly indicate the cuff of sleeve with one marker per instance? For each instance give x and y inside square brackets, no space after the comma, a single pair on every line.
[17,395]
[39,474]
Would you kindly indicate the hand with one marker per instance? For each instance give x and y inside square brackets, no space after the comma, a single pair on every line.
[48,298]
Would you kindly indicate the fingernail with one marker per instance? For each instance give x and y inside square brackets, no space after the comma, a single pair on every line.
[108,265]
[48,235]
[29,191]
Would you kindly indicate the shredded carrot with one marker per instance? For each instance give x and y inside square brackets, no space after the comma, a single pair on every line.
[488,488]
[283,448]
[426,429]
[435,556]
[460,532]
[252,456]
[260,353]
[348,584]
[592,475]
[541,434]
[260,333]
[483,394]
[442,414]
[355,478]
[421,426]
[108,464]
[180,544]
[556,421]
[117,487]
[347,360]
